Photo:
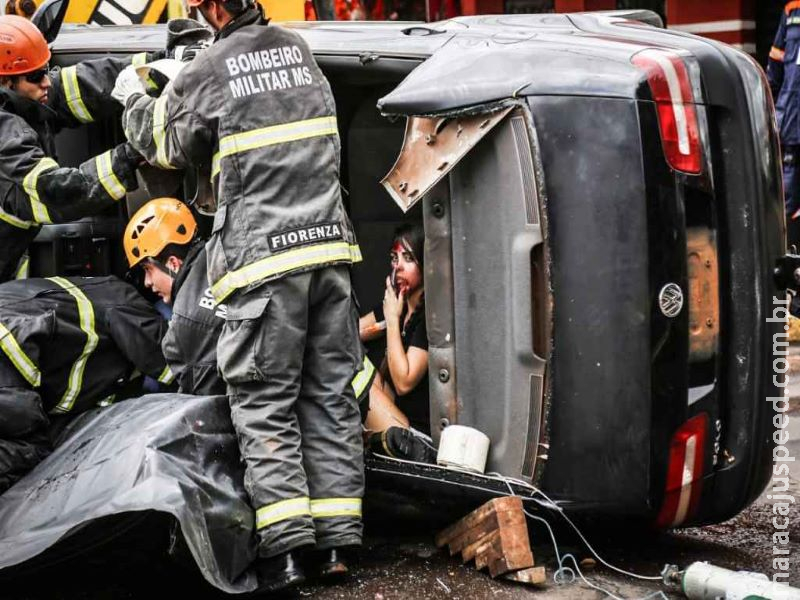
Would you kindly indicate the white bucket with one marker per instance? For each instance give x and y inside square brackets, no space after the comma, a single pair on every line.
[464,448]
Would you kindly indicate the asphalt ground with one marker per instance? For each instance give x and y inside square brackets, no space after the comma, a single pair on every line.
[400,561]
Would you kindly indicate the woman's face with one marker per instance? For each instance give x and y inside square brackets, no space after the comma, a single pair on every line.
[406,271]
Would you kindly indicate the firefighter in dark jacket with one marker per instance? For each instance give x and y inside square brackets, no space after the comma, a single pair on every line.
[160,238]
[783,73]
[35,102]
[256,111]
[68,345]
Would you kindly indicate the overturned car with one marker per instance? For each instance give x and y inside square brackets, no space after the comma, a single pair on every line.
[601,204]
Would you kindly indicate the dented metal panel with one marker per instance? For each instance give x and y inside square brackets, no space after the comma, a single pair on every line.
[431,148]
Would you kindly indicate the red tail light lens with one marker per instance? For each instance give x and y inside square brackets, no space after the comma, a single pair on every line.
[671,87]
[684,472]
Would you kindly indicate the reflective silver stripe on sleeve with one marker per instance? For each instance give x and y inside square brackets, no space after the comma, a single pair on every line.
[30,183]
[87,324]
[15,221]
[167,376]
[107,401]
[138,60]
[17,356]
[283,263]
[282,511]
[105,173]
[72,92]
[363,377]
[23,268]
[335,507]
[159,132]
[269,136]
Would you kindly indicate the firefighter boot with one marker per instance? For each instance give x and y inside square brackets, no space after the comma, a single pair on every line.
[279,572]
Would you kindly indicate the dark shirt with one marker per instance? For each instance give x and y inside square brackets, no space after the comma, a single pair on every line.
[416,404]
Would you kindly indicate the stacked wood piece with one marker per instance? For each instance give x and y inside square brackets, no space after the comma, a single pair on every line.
[495,535]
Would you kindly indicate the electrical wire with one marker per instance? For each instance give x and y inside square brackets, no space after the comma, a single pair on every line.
[564,574]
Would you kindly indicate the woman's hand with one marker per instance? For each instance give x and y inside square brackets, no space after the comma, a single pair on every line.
[393,304]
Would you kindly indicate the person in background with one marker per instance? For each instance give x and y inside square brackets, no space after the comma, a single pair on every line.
[783,73]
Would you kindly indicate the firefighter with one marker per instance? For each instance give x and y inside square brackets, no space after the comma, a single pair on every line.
[161,239]
[35,102]
[784,80]
[255,110]
[68,345]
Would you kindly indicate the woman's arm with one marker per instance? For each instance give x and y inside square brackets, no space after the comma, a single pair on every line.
[369,328]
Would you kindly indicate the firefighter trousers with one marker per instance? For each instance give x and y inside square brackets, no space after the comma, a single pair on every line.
[289,351]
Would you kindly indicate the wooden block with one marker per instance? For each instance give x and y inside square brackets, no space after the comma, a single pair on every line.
[492,522]
[471,551]
[488,553]
[531,576]
[476,517]
[511,551]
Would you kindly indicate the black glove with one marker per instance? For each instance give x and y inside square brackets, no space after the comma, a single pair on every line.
[131,155]
[186,38]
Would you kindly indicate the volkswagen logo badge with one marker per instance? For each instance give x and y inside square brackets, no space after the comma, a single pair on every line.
[670,300]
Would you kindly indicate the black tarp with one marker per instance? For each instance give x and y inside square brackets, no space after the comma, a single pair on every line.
[171,453]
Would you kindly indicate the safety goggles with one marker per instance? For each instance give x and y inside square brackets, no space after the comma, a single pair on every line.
[36,77]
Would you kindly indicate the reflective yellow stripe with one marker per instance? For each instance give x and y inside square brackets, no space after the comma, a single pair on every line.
[283,263]
[40,213]
[159,133]
[17,356]
[282,511]
[15,221]
[138,60]
[72,91]
[86,317]
[269,136]
[107,401]
[362,378]
[22,270]
[335,507]
[167,376]
[105,173]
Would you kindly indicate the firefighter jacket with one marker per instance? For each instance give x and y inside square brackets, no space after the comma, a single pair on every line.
[190,345]
[256,112]
[34,189]
[783,72]
[67,345]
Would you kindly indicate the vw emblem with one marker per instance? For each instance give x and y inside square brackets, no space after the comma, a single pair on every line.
[670,300]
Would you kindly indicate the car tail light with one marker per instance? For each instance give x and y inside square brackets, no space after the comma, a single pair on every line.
[671,87]
[684,472]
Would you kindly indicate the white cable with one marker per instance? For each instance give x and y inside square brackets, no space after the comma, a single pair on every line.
[550,505]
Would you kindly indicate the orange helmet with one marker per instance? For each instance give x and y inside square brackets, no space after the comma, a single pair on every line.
[155,226]
[22,46]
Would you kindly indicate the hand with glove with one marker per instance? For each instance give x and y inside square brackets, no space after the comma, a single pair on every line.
[186,38]
[128,84]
